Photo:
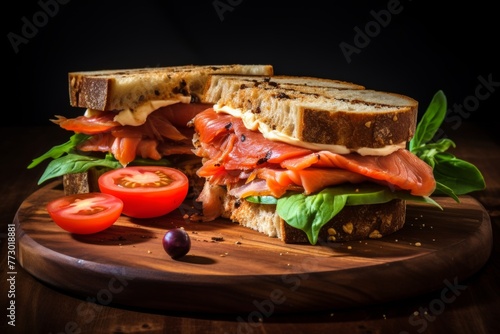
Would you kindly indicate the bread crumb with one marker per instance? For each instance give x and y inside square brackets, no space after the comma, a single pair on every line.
[349,247]
[418,244]
[331,231]
[149,252]
[348,228]
[331,238]
[395,118]
[368,124]
[375,234]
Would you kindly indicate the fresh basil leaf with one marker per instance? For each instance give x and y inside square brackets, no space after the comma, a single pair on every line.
[442,145]
[429,151]
[431,121]
[57,151]
[453,176]
[459,175]
[310,213]
[75,163]
[442,189]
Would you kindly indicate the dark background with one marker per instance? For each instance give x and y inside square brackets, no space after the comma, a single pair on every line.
[417,51]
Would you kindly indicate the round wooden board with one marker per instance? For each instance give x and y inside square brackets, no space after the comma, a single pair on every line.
[232,269]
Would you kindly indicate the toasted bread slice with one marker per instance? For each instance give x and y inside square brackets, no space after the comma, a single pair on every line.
[356,119]
[358,222]
[221,85]
[127,88]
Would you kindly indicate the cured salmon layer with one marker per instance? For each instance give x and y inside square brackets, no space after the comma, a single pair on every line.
[249,164]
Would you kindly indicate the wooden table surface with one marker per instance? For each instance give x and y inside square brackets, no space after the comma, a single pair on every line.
[39,308]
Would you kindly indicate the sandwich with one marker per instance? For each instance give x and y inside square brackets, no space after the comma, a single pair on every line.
[132,117]
[304,160]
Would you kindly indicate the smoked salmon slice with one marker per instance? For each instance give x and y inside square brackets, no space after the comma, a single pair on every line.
[88,125]
[165,132]
[227,146]
[279,181]
[401,168]
[124,149]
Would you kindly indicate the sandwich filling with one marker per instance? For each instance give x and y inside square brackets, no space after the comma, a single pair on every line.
[247,164]
[154,130]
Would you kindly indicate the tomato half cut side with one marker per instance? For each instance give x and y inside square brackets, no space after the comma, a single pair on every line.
[146,191]
[85,213]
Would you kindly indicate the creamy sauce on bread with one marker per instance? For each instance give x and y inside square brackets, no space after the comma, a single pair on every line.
[251,122]
[138,116]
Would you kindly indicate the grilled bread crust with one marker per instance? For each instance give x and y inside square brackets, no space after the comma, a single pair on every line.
[352,118]
[220,85]
[317,110]
[126,88]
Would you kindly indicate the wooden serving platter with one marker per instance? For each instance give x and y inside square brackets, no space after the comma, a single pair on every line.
[232,269]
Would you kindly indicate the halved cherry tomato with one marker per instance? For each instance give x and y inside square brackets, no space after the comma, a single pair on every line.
[146,191]
[85,213]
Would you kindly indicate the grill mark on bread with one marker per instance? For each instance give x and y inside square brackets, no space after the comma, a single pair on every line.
[126,88]
[374,104]
[282,95]
[354,119]
[181,89]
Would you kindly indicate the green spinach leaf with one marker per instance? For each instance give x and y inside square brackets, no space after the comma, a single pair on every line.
[75,163]
[57,151]
[431,121]
[310,213]
[453,176]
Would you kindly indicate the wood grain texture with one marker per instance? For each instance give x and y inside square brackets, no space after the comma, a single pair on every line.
[246,271]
